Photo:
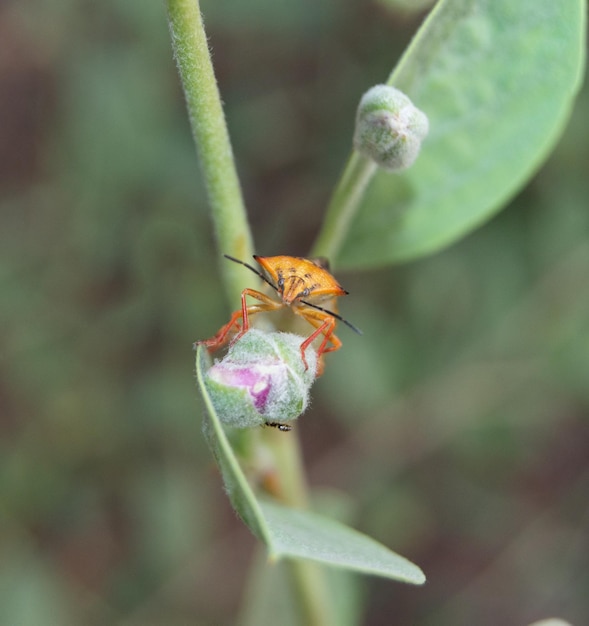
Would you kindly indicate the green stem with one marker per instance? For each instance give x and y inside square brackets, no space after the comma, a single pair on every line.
[286,451]
[309,582]
[343,206]
[212,139]
[310,585]
[233,237]
[348,193]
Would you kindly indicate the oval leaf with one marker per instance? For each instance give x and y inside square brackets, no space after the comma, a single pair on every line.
[293,533]
[497,80]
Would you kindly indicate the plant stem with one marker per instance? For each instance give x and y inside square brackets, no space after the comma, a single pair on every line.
[310,584]
[212,139]
[309,581]
[343,206]
[234,237]
[289,465]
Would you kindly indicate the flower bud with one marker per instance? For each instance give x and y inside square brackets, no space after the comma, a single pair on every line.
[262,380]
[389,128]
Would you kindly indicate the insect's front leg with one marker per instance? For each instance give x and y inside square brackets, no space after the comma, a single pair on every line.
[266,304]
[234,329]
[223,334]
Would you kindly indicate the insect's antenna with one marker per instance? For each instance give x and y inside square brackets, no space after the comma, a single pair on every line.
[337,317]
[253,269]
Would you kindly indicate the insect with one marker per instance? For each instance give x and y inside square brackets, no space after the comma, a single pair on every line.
[303,285]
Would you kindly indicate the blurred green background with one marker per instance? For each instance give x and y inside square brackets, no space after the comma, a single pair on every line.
[457,425]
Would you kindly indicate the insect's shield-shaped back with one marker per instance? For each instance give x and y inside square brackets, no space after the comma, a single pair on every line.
[262,379]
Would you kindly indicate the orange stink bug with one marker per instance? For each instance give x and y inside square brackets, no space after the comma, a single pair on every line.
[303,285]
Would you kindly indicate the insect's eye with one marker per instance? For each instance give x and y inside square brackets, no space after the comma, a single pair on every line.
[305,292]
[280,283]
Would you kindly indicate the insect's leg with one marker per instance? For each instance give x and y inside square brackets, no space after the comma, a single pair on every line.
[266,304]
[324,325]
[233,325]
[335,342]
[223,335]
[319,329]
[245,320]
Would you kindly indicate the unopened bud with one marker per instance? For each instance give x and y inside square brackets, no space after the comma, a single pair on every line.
[262,380]
[389,128]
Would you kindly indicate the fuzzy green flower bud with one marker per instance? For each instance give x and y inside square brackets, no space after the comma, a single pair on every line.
[389,128]
[262,380]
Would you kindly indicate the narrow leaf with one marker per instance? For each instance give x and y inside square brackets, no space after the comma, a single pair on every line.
[303,534]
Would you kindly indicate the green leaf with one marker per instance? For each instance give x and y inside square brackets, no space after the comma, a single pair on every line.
[497,80]
[307,535]
[291,533]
